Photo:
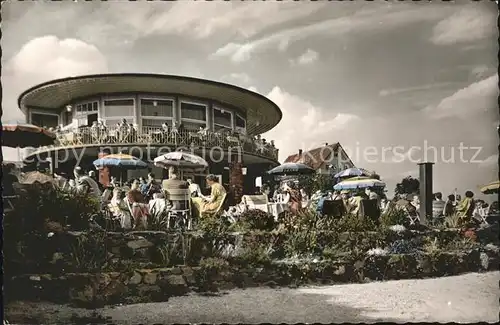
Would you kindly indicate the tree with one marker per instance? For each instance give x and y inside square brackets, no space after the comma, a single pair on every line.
[316,182]
[408,185]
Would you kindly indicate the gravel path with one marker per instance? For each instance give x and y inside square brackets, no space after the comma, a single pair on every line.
[467,298]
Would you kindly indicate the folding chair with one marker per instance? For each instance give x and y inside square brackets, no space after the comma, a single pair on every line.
[413,215]
[333,208]
[184,197]
[371,209]
[256,202]
[8,206]
[483,214]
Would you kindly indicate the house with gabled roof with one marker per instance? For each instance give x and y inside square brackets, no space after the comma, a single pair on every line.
[330,158]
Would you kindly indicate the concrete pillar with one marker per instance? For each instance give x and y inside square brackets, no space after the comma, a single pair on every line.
[236,178]
[425,179]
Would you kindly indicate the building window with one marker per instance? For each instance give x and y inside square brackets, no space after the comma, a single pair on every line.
[85,108]
[193,116]
[45,120]
[157,108]
[223,120]
[116,121]
[240,123]
[192,111]
[155,123]
[119,107]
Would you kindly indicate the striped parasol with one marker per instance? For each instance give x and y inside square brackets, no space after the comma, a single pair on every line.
[358,182]
[22,135]
[120,160]
[351,172]
[491,188]
[291,169]
[182,160]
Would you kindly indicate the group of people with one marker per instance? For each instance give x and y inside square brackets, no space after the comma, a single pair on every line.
[467,208]
[134,202]
[128,132]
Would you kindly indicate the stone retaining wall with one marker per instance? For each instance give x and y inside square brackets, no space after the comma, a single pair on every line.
[121,251]
[146,285]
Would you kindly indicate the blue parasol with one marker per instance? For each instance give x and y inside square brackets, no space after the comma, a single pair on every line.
[120,160]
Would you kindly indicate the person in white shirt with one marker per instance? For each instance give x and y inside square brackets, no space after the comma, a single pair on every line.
[194,189]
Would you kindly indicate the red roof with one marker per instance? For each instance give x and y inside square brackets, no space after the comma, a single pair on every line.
[316,157]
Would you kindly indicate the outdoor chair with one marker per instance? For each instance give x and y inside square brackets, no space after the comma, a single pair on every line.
[184,198]
[371,210]
[333,208]
[8,202]
[413,215]
[256,202]
[483,214]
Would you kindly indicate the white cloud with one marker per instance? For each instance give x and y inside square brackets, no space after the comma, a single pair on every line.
[308,57]
[239,78]
[305,121]
[50,57]
[203,20]
[43,59]
[480,71]
[397,91]
[476,98]
[469,24]
[490,162]
[364,20]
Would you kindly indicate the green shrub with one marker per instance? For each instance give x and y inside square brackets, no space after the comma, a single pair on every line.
[393,217]
[41,204]
[352,223]
[89,253]
[256,220]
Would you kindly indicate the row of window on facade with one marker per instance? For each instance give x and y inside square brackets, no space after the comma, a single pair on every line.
[153,112]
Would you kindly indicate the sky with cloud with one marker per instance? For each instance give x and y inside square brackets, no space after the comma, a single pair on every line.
[390,78]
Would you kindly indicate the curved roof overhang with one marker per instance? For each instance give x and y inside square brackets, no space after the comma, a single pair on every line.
[262,113]
[68,154]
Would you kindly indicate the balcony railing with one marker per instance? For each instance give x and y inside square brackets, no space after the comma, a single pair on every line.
[157,136]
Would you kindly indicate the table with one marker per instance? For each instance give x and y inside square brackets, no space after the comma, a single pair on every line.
[277,208]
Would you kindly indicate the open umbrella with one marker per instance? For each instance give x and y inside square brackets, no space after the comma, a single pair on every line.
[358,182]
[181,159]
[22,135]
[291,169]
[491,188]
[120,160]
[186,162]
[36,177]
[351,172]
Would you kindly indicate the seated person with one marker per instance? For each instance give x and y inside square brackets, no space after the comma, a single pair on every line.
[210,205]
[194,189]
[8,181]
[355,204]
[466,206]
[150,187]
[158,204]
[294,197]
[119,209]
[134,195]
[174,183]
